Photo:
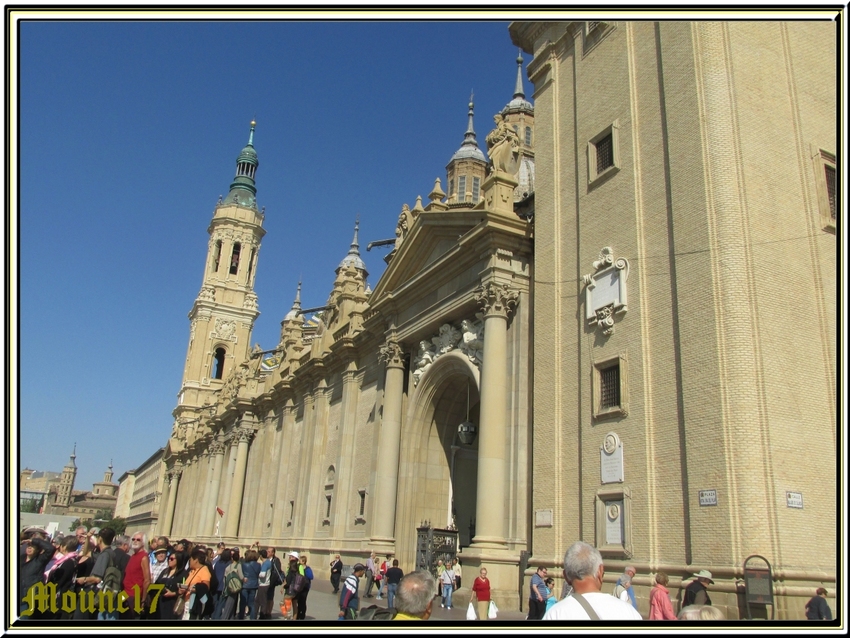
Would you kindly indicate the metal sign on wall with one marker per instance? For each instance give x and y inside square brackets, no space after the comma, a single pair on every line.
[794,499]
[707,497]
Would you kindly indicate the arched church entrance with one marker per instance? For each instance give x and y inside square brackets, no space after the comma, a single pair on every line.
[439,464]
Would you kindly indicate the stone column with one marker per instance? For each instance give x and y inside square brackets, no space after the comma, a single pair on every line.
[199,525]
[279,519]
[174,481]
[497,302]
[235,506]
[217,452]
[386,483]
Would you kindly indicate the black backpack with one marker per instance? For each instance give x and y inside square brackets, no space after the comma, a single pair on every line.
[373,612]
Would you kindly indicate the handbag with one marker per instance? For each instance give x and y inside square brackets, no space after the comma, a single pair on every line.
[492,610]
[470,612]
[179,607]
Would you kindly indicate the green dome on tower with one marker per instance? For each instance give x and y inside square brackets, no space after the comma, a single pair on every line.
[243,189]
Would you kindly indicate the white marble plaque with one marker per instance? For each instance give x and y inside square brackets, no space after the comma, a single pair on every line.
[614,522]
[543,518]
[611,459]
[607,289]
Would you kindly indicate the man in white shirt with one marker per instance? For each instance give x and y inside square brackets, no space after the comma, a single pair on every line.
[583,569]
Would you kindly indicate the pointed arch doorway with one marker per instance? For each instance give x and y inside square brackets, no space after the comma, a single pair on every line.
[438,476]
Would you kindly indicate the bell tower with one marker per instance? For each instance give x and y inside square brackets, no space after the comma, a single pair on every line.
[66,482]
[223,315]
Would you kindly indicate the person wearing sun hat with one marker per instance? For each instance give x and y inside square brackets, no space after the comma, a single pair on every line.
[697,592]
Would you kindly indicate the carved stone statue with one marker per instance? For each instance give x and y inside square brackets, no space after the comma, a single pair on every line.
[424,358]
[502,146]
[405,221]
[472,344]
[447,339]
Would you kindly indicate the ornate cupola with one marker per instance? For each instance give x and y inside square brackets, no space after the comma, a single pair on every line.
[353,257]
[466,169]
[243,190]
[519,115]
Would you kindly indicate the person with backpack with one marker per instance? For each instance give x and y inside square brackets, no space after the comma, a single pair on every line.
[250,584]
[104,571]
[307,572]
[349,600]
[232,589]
[296,587]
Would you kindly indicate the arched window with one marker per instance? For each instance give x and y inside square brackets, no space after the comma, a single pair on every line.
[528,136]
[234,258]
[216,256]
[251,265]
[218,371]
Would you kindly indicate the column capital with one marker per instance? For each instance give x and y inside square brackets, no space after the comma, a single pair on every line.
[496,300]
[244,434]
[216,447]
[391,354]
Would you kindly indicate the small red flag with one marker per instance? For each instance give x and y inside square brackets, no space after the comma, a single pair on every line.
[220,511]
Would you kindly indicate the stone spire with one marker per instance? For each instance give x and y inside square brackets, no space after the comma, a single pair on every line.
[295,311]
[519,91]
[469,147]
[243,189]
[353,256]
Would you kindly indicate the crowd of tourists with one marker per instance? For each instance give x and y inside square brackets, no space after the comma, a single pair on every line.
[157,579]
[96,574]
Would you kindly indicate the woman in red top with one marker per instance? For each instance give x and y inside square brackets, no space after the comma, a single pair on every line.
[137,572]
[481,593]
[660,607]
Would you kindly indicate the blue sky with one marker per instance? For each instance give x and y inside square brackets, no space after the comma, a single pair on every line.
[129,132]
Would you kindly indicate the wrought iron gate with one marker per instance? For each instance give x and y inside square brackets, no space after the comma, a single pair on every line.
[433,545]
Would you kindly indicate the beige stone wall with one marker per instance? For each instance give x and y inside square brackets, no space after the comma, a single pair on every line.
[729,334]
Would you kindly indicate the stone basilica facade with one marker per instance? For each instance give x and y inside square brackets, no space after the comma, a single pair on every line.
[618,326]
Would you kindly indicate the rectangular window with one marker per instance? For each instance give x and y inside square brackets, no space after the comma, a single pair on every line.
[362,502]
[826,187]
[328,512]
[461,188]
[603,155]
[829,172]
[610,380]
[610,387]
[476,189]
[528,136]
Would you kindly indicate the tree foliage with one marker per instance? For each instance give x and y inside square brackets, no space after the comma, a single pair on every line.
[104,518]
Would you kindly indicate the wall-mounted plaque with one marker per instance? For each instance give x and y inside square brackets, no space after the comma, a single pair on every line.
[611,459]
[707,497]
[794,499]
[543,518]
[614,522]
[605,290]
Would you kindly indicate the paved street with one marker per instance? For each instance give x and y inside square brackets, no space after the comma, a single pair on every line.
[323,605]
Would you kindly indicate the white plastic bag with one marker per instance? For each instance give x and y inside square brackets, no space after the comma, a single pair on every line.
[492,610]
[470,612]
